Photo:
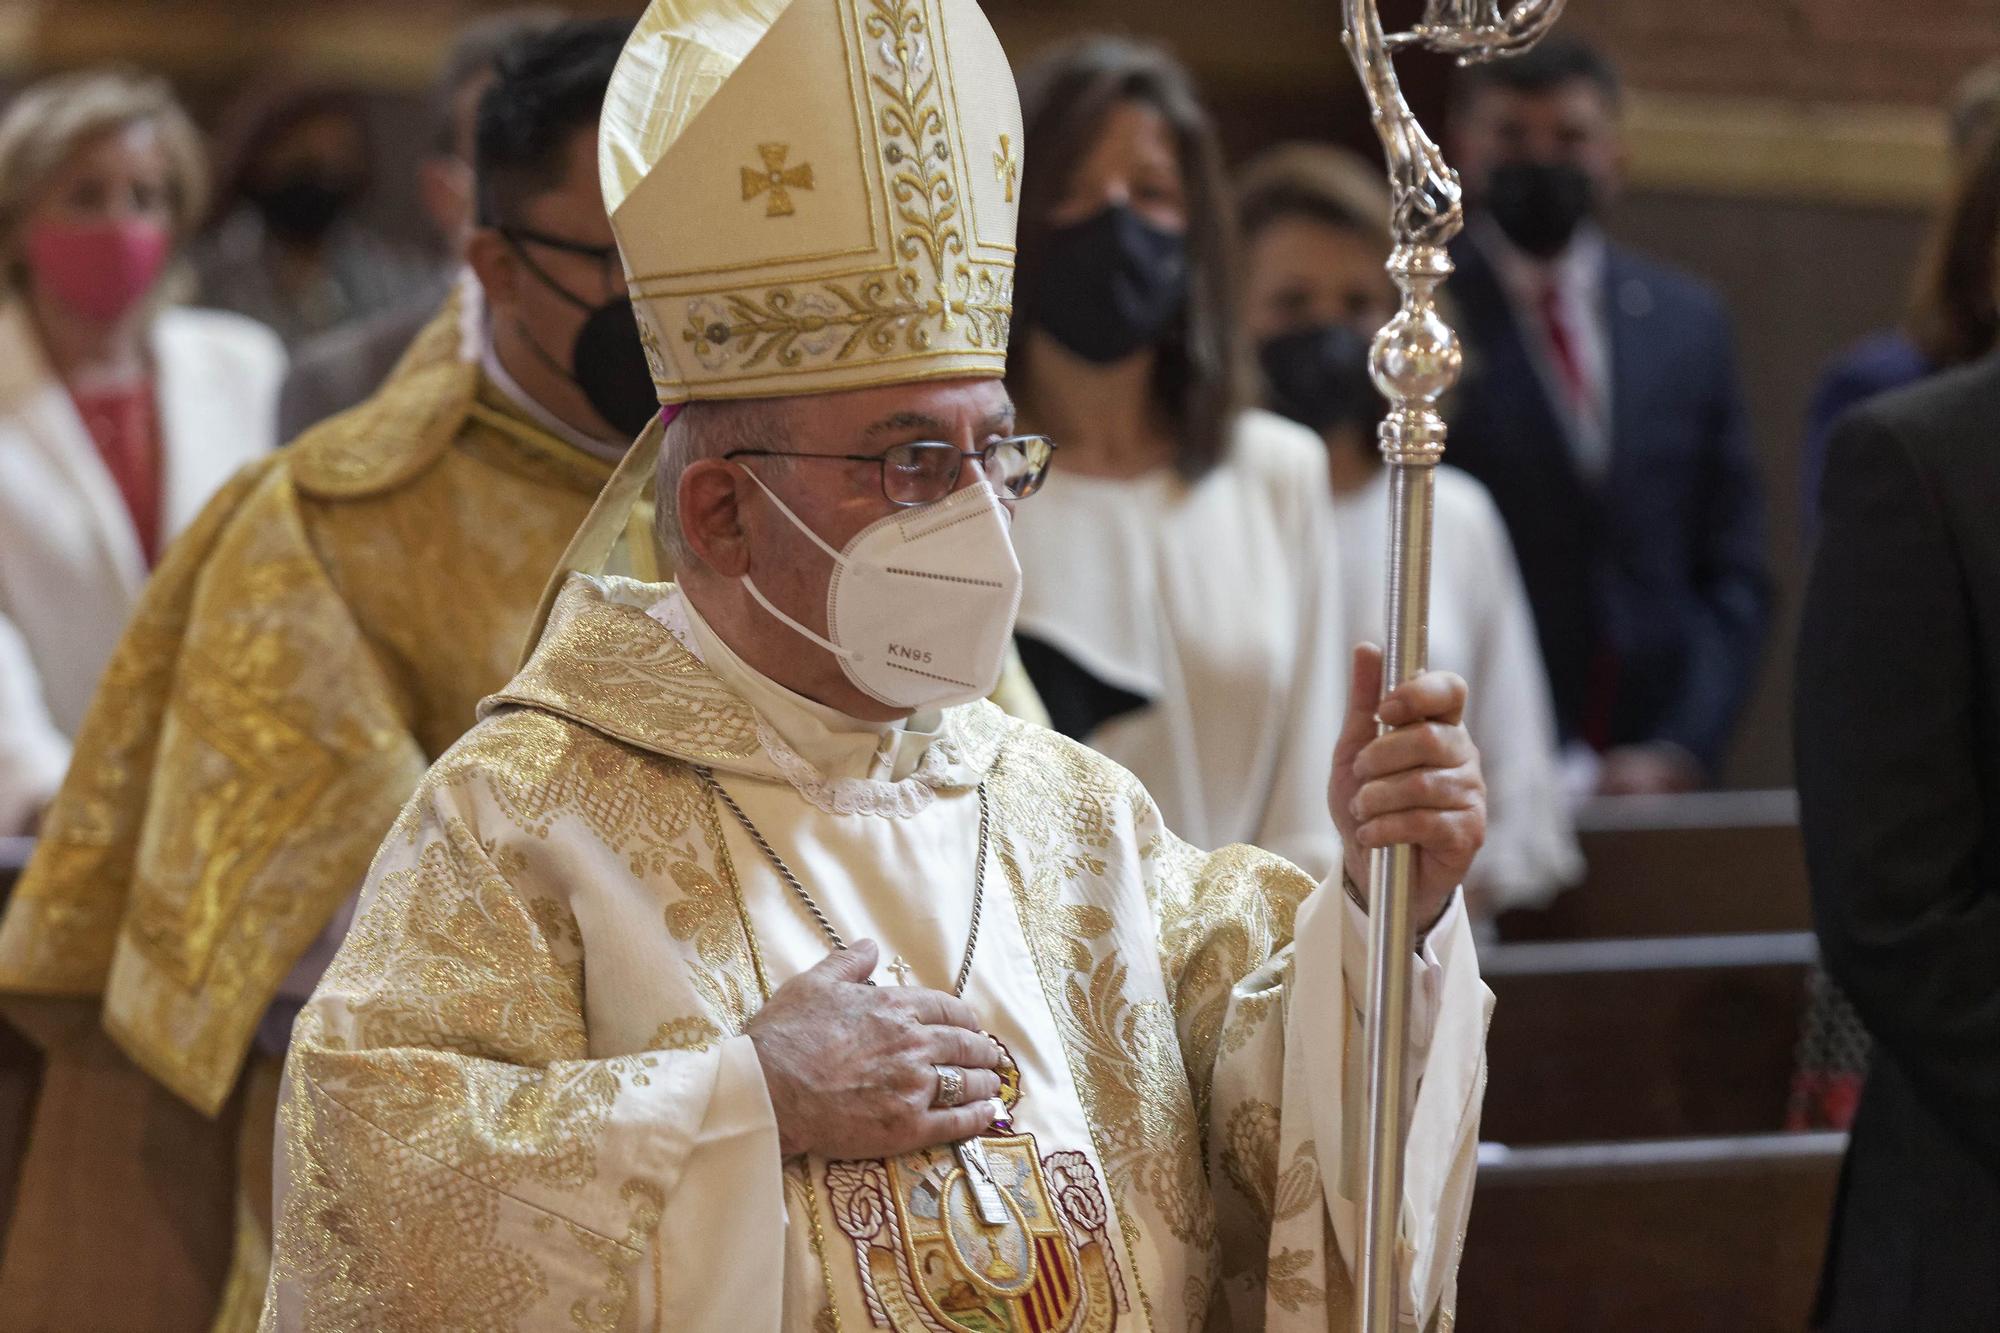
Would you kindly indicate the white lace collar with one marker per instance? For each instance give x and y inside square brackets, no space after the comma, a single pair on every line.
[839,764]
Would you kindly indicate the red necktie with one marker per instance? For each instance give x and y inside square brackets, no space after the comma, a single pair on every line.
[1600,693]
[1562,341]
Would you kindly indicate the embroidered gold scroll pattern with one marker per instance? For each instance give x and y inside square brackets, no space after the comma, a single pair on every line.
[620,668]
[904,308]
[1064,810]
[441,1096]
[538,770]
[1237,918]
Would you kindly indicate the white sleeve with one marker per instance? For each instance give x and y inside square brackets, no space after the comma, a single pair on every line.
[1289,1186]
[1445,1082]
[1531,852]
[34,752]
[443,1115]
[1295,823]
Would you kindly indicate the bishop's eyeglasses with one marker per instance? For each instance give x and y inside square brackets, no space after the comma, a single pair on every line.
[925,471]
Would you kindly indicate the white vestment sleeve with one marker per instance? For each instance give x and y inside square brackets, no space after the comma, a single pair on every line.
[1531,852]
[728,1213]
[1445,1069]
[454,1151]
[1294,822]
[34,753]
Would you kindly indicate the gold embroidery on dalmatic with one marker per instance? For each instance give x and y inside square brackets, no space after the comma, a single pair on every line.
[322,632]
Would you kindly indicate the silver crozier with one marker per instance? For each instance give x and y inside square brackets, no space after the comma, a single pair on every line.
[1415,359]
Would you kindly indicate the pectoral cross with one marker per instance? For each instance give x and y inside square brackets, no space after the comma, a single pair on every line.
[901,971]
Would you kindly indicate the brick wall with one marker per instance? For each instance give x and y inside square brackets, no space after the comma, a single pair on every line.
[1897,51]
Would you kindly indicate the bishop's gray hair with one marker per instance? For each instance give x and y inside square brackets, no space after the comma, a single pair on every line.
[709,429]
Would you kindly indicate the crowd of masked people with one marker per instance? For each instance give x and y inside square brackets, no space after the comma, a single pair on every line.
[1209,547]
[1184,334]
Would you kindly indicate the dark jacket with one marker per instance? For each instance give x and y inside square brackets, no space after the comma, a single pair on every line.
[1898,738]
[1649,588]
[1877,364]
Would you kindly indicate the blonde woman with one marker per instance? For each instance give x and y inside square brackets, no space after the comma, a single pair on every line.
[1315,227]
[119,414]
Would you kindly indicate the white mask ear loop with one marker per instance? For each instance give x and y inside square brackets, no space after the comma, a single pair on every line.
[785,509]
[757,594]
[780,616]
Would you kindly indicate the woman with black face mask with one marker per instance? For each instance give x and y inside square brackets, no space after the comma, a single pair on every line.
[1314,222]
[285,246]
[1180,608]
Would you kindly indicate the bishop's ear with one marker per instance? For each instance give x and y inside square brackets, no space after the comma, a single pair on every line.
[712,518]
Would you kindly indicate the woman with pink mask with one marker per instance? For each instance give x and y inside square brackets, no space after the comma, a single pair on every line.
[119,414]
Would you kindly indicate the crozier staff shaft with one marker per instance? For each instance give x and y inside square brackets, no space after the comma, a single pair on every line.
[1415,361]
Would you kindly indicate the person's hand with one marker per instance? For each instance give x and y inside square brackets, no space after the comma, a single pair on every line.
[1418,784]
[852,1068]
[1647,770]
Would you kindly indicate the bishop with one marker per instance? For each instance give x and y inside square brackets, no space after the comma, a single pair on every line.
[611,1043]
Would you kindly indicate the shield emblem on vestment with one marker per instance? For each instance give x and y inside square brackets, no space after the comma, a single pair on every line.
[952,1268]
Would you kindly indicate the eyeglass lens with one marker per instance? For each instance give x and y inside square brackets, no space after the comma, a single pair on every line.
[921,472]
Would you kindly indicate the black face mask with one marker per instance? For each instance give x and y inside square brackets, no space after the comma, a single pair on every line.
[607,362]
[1319,377]
[1110,284]
[1540,205]
[304,205]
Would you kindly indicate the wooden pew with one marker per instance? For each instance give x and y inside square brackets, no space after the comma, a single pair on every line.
[1642,1038]
[1720,1235]
[1710,863]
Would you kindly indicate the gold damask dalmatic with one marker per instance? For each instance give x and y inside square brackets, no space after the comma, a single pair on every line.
[806,197]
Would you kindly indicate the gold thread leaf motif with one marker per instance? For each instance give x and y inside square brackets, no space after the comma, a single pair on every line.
[935,290]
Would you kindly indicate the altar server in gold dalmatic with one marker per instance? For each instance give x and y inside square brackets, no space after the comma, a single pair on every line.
[743,969]
[323,632]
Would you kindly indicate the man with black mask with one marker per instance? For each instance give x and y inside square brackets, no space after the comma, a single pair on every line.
[323,632]
[561,338]
[289,247]
[338,369]
[1603,412]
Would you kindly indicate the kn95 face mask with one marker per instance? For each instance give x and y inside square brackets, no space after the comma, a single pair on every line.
[921,605]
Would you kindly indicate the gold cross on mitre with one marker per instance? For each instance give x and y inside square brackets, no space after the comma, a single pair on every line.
[1007,165]
[776,179]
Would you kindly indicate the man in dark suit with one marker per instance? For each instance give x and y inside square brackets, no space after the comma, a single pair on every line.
[1601,408]
[1898,741]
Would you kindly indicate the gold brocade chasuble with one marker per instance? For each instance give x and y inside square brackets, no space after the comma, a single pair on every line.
[521,1097]
[324,631]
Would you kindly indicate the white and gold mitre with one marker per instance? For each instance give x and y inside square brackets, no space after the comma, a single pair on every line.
[814,195]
